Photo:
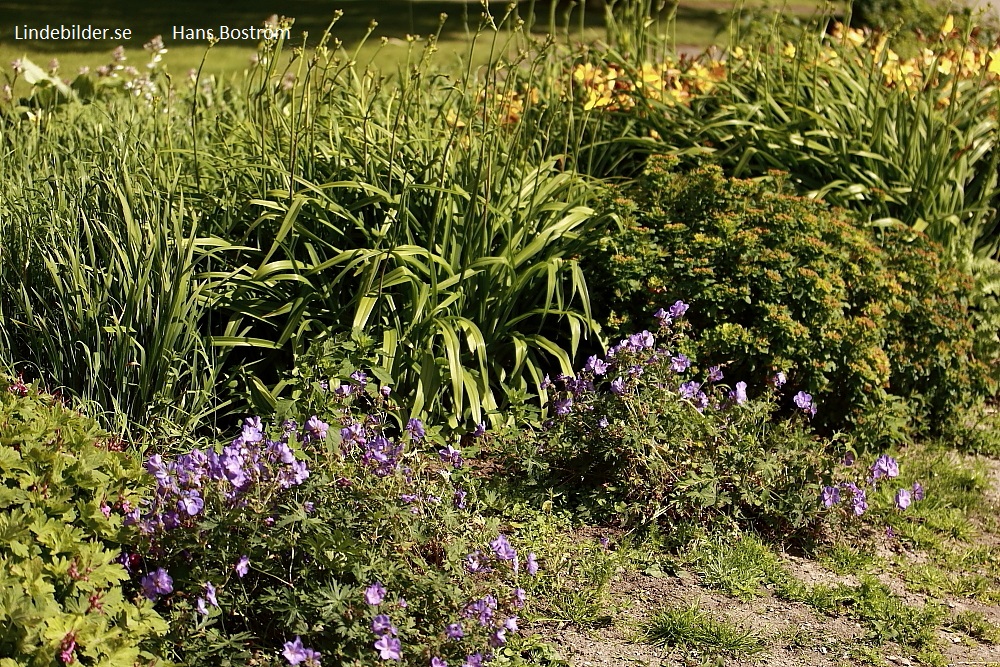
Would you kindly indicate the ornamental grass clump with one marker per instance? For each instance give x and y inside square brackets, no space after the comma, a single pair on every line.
[648,431]
[345,540]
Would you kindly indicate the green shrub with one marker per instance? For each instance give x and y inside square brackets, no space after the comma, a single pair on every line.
[783,283]
[640,436]
[282,535]
[62,488]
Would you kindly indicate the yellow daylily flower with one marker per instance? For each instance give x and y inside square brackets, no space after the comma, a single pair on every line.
[948,26]
[994,67]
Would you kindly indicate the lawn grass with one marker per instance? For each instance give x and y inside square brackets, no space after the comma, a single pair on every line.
[692,25]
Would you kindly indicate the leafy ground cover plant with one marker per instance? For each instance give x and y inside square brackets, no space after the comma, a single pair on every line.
[63,485]
[340,544]
[645,432]
[876,328]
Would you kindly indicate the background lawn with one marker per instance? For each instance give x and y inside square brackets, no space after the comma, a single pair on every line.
[697,25]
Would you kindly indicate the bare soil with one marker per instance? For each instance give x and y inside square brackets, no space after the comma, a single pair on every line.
[797,634]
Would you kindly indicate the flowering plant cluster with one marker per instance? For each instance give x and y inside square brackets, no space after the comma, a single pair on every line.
[250,466]
[855,494]
[347,540]
[145,82]
[645,430]
[944,62]
[482,625]
[614,87]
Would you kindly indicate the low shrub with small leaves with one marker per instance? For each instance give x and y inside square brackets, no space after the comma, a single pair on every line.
[340,541]
[875,327]
[640,434]
[62,489]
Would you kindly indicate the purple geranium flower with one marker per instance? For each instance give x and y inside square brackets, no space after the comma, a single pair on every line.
[438,662]
[805,403]
[596,365]
[903,499]
[859,501]
[416,428]
[190,502]
[210,595]
[519,598]
[678,309]
[564,406]
[389,648]
[498,637]
[243,566]
[382,625]
[532,564]
[918,491]
[316,429]
[618,386]
[375,593]
[830,496]
[715,374]
[454,631]
[680,363]
[474,660]
[642,340]
[295,653]
[689,390]
[739,394]
[885,466]
[502,548]
[451,455]
[473,562]
[157,583]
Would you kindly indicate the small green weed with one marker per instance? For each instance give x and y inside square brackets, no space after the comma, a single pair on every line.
[978,432]
[934,579]
[741,567]
[887,617]
[692,627]
[847,559]
[977,626]
[866,654]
